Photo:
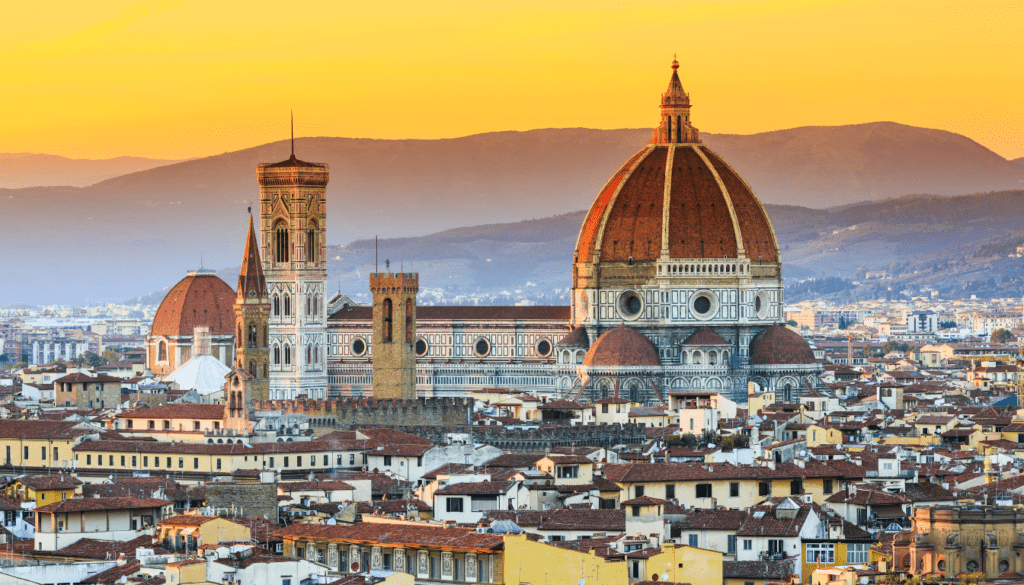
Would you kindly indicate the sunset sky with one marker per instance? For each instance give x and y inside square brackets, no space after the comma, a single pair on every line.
[177,79]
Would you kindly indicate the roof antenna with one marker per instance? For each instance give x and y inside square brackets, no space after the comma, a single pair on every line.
[293,133]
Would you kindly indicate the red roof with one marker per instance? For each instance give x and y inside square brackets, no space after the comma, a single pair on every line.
[182,411]
[622,346]
[201,298]
[778,345]
[402,535]
[99,504]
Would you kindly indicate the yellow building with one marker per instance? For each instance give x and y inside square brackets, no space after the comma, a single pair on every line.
[823,435]
[186,533]
[568,469]
[185,572]
[710,485]
[34,445]
[44,489]
[529,562]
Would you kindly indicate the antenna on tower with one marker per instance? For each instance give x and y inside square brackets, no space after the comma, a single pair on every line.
[293,133]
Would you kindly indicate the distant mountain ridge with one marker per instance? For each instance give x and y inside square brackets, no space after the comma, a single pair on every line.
[22,169]
[139,232]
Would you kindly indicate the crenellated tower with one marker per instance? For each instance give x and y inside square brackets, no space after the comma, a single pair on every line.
[394,334]
[252,320]
[293,226]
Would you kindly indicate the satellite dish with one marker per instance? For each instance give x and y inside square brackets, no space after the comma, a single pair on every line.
[864,581]
[711,445]
[582,581]
[803,453]
[664,576]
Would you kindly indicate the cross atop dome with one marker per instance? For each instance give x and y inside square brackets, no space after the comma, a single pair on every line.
[675,113]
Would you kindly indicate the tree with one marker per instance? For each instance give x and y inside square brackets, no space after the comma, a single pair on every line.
[110,355]
[93,360]
[971,578]
[1001,336]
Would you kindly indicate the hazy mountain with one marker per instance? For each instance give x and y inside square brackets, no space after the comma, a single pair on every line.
[138,233]
[22,169]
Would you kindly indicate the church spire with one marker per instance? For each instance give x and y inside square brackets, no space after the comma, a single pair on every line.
[675,113]
[251,282]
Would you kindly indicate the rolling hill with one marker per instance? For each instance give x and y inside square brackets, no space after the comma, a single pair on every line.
[139,232]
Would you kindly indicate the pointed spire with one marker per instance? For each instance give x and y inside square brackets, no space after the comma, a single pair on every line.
[251,283]
[675,124]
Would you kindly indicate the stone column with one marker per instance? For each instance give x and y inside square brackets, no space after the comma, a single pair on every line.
[376,558]
[398,560]
[423,568]
[471,567]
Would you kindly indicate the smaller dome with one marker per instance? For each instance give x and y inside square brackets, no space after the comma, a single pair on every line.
[705,336]
[622,346]
[576,338]
[778,345]
[199,299]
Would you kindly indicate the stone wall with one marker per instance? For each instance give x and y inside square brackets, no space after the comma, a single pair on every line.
[346,412]
[540,439]
[249,499]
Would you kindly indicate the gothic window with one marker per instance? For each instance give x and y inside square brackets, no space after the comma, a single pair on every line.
[387,310]
[670,128]
[287,304]
[266,337]
[287,354]
[634,394]
[253,337]
[679,129]
[309,304]
[311,247]
[252,369]
[277,306]
[161,354]
[309,353]
[266,371]
[281,242]
[277,355]
[408,320]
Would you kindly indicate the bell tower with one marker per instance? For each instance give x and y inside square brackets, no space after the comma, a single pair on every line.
[293,229]
[394,334]
[252,316]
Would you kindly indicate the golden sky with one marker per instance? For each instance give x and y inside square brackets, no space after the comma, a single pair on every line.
[176,79]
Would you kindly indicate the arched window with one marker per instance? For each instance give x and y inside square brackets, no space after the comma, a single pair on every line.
[309,304]
[408,320]
[634,394]
[311,243]
[253,336]
[266,338]
[670,128]
[266,371]
[316,353]
[309,353]
[287,354]
[252,369]
[679,129]
[316,304]
[287,304]
[161,351]
[387,310]
[281,242]
[277,305]
[277,355]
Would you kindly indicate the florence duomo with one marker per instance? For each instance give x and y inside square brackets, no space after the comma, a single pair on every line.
[517,296]
[676,287]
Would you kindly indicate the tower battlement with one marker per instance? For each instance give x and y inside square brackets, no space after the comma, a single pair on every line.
[394,282]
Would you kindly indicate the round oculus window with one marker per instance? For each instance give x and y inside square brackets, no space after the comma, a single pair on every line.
[358,346]
[482,347]
[630,305]
[702,305]
[544,348]
[757,303]
[421,347]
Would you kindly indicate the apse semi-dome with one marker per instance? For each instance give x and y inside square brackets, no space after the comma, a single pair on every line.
[199,299]
[778,345]
[622,347]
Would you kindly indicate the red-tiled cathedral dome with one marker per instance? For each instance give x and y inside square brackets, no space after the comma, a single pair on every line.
[622,346]
[676,199]
[201,298]
[777,345]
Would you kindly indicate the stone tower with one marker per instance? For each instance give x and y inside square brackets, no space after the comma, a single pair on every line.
[394,334]
[293,225]
[252,319]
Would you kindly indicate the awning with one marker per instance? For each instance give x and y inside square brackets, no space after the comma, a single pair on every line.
[889,511]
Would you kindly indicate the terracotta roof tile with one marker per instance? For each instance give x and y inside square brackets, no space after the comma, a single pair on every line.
[405,535]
